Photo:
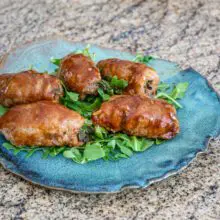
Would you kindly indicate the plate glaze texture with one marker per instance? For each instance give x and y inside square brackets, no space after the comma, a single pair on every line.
[199,121]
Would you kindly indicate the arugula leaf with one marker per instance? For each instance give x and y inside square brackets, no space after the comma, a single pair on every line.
[123,149]
[111,86]
[69,96]
[119,156]
[136,145]
[169,98]
[100,132]
[111,144]
[93,152]
[85,108]
[90,107]
[140,144]
[179,90]
[15,149]
[105,85]
[3,110]
[52,151]
[140,58]
[8,146]
[74,154]
[118,83]
[55,61]
[162,87]
[103,95]
[46,153]
[72,96]
[32,151]
[159,141]
[18,150]
[146,144]
[86,52]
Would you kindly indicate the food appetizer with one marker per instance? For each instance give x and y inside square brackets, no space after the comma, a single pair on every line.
[138,115]
[42,123]
[79,74]
[141,79]
[27,87]
[89,111]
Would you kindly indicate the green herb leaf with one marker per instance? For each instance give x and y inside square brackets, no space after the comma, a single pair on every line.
[118,156]
[55,61]
[169,98]
[162,87]
[86,52]
[71,100]
[46,153]
[32,151]
[90,106]
[18,150]
[136,144]
[3,110]
[140,144]
[93,151]
[179,90]
[100,132]
[74,154]
[124,149]
[111,144]
[103,95]
[159,141]
[72,96]
[8,146]
[54,151]
[105,85]
[118,83]
[143,59]
[112,85]
[146,144]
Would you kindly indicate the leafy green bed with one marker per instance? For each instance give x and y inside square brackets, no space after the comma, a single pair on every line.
[100,142]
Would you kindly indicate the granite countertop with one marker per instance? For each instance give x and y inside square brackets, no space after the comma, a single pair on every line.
[186,32]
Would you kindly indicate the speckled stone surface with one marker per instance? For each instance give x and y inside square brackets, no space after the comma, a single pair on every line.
[186,32]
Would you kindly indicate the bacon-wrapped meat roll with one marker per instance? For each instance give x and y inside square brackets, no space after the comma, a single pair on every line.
[138,115]
[79,74]
[28,86]
[43,123]
[141,78]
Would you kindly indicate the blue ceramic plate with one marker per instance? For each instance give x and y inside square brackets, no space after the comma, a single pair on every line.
[199,121]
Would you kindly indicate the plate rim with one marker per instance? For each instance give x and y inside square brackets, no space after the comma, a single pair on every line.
[122,188]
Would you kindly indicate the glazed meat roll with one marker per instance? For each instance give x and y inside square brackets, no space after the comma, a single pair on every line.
[79,74]
[28,86]
[138,115]
[141,78]
[43,123]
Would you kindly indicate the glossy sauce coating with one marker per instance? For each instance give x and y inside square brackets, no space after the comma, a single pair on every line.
[79,74]
[141,78]
[42,123]
[27,87]
[138,115]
